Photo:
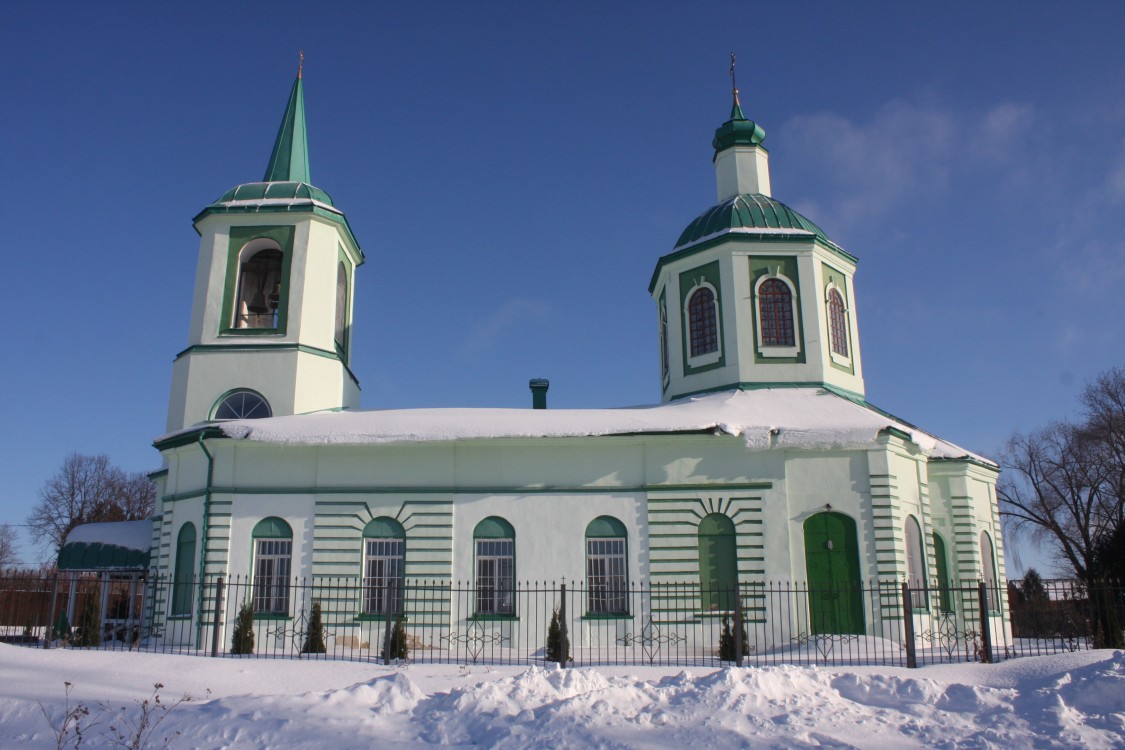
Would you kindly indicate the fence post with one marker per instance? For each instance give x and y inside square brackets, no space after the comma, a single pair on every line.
[985,625]
[739,646]
[217,620]
[564,656]
[51,616]
[908,625]
[388,608]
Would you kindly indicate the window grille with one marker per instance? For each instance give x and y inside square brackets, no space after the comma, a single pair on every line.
[703,322]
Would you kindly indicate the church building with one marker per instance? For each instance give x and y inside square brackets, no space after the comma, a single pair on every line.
[762,462]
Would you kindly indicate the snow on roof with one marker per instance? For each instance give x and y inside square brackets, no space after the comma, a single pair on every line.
[782,417]
[128,534]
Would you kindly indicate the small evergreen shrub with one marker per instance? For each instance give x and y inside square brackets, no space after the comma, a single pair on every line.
[314,638]
[555,647]
[87,626]
[400,649]
[727,646]
[242,642]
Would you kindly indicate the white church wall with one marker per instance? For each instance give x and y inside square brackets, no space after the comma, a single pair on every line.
[550,531]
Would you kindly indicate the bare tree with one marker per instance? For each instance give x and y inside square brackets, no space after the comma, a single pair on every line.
[1065,485]
[8,547]
[1054,487]
[86,489]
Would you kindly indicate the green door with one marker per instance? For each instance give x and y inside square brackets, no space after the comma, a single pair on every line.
[832,565]
[718,563]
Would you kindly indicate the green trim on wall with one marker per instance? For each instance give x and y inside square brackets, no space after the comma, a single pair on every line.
[710,274]
[467,491]
[191,437]
[279,347]
[740,237]
[238,238]
[336,217]
[745,386]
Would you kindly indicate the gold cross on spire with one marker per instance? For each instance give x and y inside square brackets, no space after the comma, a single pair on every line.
[733,85]
[301,62]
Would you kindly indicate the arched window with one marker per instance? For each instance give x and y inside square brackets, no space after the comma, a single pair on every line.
[718,563]
[775,313]
[606,569]
[183,578]
[494,542]
[341,307]
[915,563]
[703,322]
[384,548]
[273,555]
[837,323]
[945,598]
[988,569]
[242,404]
[259,288]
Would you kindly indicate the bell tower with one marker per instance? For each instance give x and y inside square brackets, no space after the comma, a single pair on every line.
[753,294]
[270,331]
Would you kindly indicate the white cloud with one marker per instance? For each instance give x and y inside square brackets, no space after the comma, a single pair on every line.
[906,151]
[485,334]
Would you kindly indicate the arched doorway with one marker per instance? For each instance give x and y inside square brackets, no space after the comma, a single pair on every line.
[832,568]
[718,563]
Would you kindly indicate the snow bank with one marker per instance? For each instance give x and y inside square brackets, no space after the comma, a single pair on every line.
[1065,701]
[785,417]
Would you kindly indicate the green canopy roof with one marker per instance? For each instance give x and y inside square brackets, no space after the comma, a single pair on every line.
[117,545]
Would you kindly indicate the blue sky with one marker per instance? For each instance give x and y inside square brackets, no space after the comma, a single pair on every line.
[513,171]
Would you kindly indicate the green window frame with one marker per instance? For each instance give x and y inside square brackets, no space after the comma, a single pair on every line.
[718,563]
[241,403]
[273,560]
[384,555]
[838,323]
[607,567]
[183,576]
[494,567]
[270,288]
[340,330]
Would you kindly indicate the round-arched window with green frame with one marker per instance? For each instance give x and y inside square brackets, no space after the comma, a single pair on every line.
[718,563]
[384,554]
[606,567]
[494,560]
[273,558]
[832,568]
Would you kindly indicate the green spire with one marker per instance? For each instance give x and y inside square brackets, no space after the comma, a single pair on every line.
[738,130]
[290,159]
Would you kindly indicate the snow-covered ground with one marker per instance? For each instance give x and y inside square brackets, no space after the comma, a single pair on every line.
[1067,701]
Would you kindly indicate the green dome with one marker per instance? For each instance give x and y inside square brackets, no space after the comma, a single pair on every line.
[749,212]
[738,131]
[260,191]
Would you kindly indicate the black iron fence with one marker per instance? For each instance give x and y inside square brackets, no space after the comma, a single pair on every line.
[677,624]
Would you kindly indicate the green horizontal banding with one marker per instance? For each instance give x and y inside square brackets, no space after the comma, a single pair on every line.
[302,348]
